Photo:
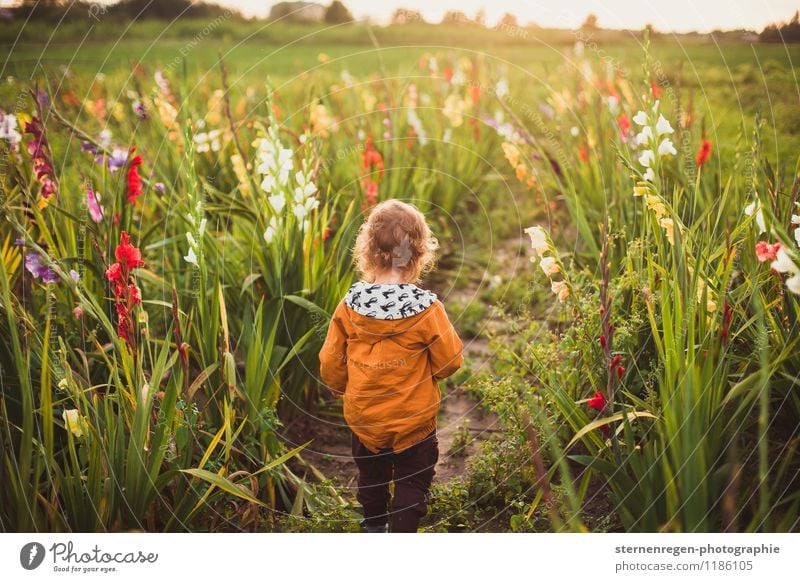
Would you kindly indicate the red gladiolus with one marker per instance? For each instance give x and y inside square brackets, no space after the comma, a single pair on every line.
[603,342]
[726,323]
[655,90]
[624,123]
[134,180]
[614,362]
[372,192]
[767,252]
[126,294]
[598,401]
[39,150]
[373,163]
[475,93]
[373,160]
[704,153]
[620,372]
[127,254]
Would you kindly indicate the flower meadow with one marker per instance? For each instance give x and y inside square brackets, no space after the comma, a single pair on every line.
[173,247]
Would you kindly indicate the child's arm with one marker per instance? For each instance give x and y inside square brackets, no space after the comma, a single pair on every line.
[445,347]
[333,355]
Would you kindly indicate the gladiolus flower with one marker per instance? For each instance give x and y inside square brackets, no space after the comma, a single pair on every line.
[34,265]
[767,252]
[704,153]
[644,136]
[598,401]
[620,371]
[538,239]
[616,360]
[512,154]
[134,180]
[128,255]
[646,158]
[191,258]
[669,227]
[640,118]
[372,158]
[666,147]
[549,265]
[783,262]
[755,208]
[126,294]
[92,201]
[560,289]
[663,126]
[624,123]
[74,422]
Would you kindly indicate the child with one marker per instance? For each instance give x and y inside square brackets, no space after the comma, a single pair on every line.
[388,343]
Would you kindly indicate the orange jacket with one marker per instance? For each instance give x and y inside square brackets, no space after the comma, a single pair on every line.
[386,347]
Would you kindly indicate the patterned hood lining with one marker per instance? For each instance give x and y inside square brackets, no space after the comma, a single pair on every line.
[388,300]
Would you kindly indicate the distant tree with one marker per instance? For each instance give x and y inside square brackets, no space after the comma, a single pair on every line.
[337,13]
[480,17]
[406,16]
[590,23]
[782,31]
[455,17]
[508,21]
[305,12]
[168,9]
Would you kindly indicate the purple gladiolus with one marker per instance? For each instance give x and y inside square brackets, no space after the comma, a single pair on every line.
[116,160]
[33,263]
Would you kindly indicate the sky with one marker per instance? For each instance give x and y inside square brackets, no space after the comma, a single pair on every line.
[664,15]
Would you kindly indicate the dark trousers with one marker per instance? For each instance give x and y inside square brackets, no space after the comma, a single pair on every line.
[412,472]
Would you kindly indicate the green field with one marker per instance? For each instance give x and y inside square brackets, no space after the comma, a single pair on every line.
[649,364]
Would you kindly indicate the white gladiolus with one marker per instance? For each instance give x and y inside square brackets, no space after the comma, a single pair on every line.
[538,239]
[644,136]
[649,175]
[272,228]
[666,147]
[783,263]
[278,202]
[191,258]
[300,211]
[755,208]
[663,126]
[646,158]
[561,289]
[640,118]
[793,284]
[549,265]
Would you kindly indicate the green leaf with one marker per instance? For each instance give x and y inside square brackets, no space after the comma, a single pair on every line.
[607,420]
[222,483]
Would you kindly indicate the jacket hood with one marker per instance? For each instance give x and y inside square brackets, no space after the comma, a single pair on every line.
[388,301]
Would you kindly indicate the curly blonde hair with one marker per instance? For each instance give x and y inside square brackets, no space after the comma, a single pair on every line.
[395,236]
